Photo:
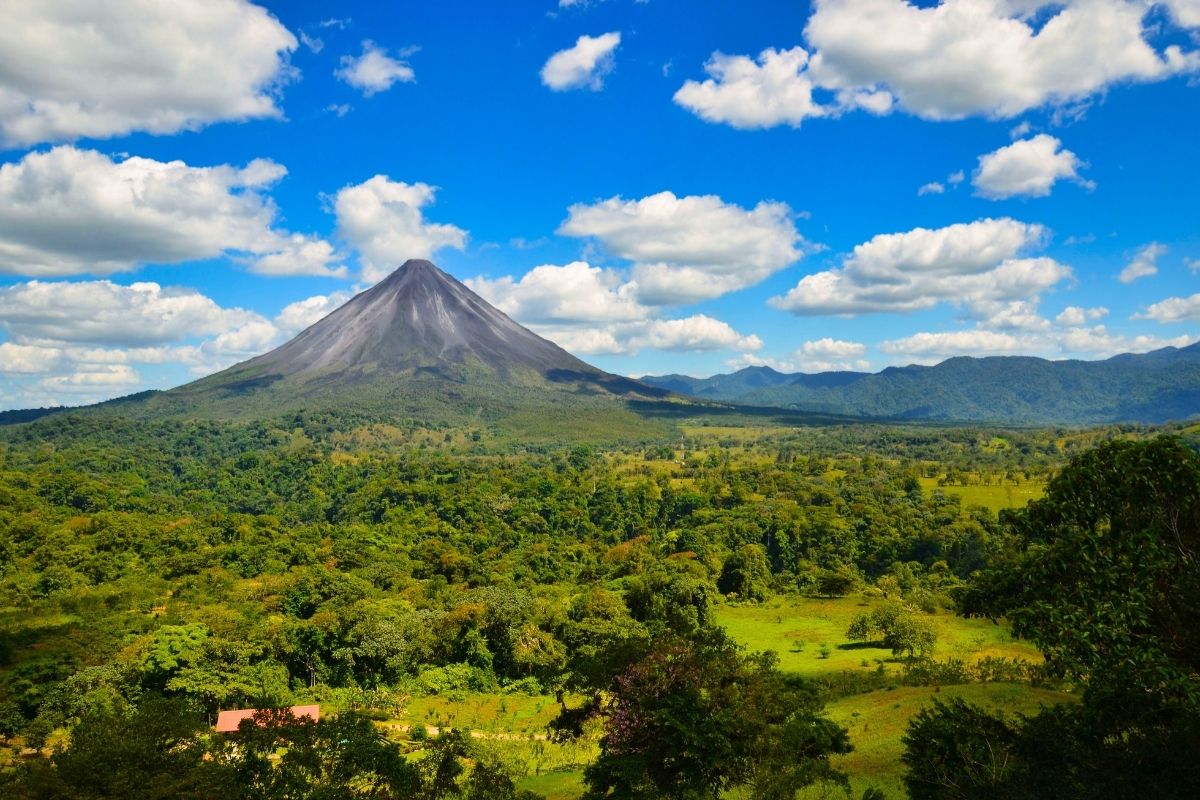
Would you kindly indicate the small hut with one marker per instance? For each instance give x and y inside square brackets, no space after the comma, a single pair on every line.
[228,721]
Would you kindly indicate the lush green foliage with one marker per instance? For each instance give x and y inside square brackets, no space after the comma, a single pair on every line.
[1105,580]
[389,567]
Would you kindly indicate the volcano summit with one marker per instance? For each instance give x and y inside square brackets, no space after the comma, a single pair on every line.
[418,344]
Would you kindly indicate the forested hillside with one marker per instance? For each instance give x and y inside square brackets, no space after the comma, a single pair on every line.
[1153,388]
[210,566]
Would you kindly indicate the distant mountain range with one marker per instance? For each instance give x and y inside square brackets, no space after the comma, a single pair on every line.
[1154,387]
[421,346]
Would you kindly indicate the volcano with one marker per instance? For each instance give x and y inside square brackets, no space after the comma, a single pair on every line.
[419,345]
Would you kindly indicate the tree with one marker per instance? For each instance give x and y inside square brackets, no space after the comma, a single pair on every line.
[1105,581]
[151,753]
[339,758]
[901,629]
[697,717]
[746,573]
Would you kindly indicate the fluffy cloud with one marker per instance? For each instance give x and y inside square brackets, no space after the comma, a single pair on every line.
[70,211]
[1074,316]
[297,316]
[988,57]
[697,332]
[75,68]
[960,58]
[937,346]
[1028,168]
[574,293]
[973,264]
[374,71]
[593,311]
[1073,342]
[582,66]
[686,249]
[1173,309]
[86,341]
[1185,12]
[744,93]
[105,313]
[931,188]
[1143,263]
[829,355]
[384,221]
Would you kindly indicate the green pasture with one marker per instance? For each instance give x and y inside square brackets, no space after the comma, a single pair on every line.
[877,721]
[798,628]
[997,497]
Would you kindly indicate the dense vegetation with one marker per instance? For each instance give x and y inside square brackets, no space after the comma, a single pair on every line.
[157,572]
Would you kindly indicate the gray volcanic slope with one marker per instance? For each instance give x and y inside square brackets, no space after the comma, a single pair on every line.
[416,328]
[416,317]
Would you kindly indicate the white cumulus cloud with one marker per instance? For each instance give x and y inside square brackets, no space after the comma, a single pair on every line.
[551,294]
[384,220]
[973,264]
[101,68]
[955,59]
[1143,264]
[299,315]
[583,65]
[686,249]
[746,93]
[1027,168]
[70,211]
[106,313]
[374,70]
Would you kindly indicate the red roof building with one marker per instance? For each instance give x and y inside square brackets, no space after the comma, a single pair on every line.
[228,721]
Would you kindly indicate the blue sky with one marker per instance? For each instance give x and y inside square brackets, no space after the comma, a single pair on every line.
[659,186]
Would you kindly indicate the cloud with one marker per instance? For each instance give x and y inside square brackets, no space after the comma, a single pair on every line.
[1028,168]
[302,255]
[590,310]
[384,221]
[82,341]
[1143,263]
[1173,309]
[70,211]
[774,90]
[697,332]
[931,188]
[686,249]
[923,346]
[582,66]
[830,355]
[374,71]
[106,313]
[972,264]
[956,59]
[985,57]
[313,43]
[1073,342]
[299,315]
[1185,12]
[573,293]
[91,69]
[1074,316]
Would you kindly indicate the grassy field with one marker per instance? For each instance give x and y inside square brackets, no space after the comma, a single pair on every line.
[876,721]
[810,636]
[995,497]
